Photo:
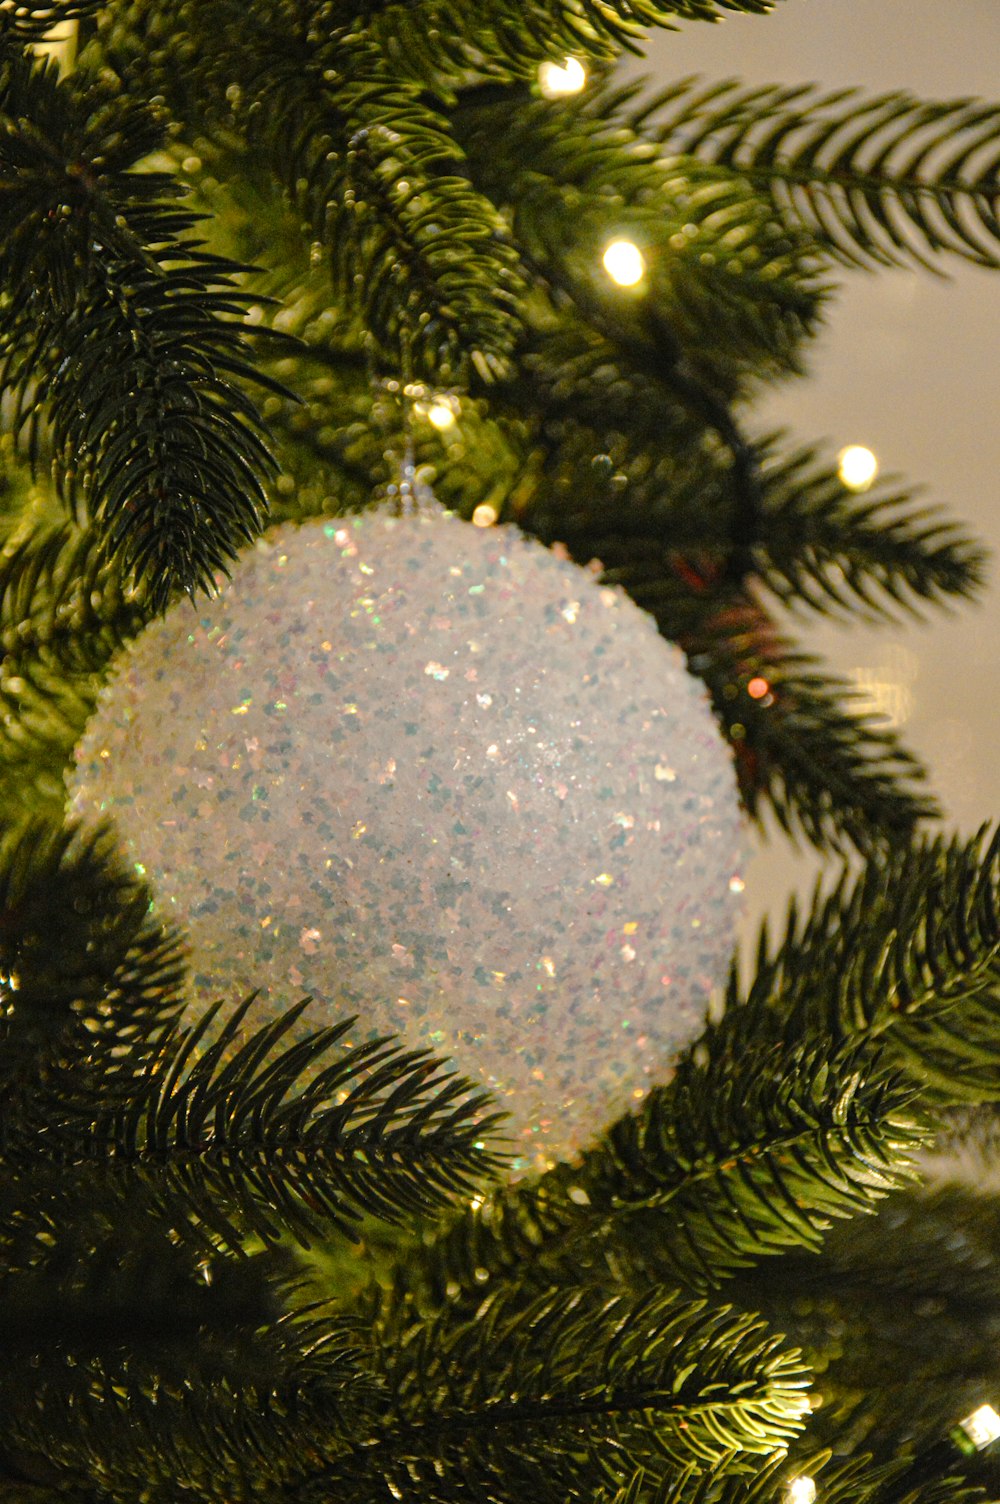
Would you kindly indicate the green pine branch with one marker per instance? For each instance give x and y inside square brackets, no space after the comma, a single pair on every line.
[31,20]
[853,1481]
[65,611]
[728,284]
[867,555]
[91,981]
[509,36]
[43,711]
[96,1071]
[744,1154]
[59,592]
[911,947]
[132,1295]
[367,157]
[123,334]
[634,475]
[885,181]
[516,1402]
[898,1357]
[825,771]
[749,1153]
[251,1415]
[252,1136]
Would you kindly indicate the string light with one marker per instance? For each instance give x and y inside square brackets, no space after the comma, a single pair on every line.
[439,409]
[624,263]
[441,415]
[978,1430]
[556,80]
[485,515]
[801,1490]
[857,467]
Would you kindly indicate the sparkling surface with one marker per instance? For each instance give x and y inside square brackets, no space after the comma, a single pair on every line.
[435,775]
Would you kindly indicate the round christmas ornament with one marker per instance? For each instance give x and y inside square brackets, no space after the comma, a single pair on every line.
[436,776]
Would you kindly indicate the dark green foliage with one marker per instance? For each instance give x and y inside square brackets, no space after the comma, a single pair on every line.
[884,181]
[292,1140]
[611,1384]
[833,774]
[899,1357]
[128,332]
[371,166]
[64,612]
[841,1483]
[908,953]
[96,1074]
[871,555]
[394,213]
[748,1151]
[58,592]
[819,546]
[136,1162]
[748,303]
[43,710]
[30,20]
[753,1151]
[215,1390]
[441,40]
[86,996]
[442,44]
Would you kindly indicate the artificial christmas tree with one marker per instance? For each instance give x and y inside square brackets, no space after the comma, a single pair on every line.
[285,260]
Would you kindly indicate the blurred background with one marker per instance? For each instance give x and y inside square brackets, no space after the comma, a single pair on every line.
[908,368]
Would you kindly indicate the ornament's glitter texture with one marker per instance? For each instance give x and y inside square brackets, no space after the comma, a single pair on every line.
[434,775]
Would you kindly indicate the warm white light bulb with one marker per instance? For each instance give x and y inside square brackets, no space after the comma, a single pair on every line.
[556,80]
[441,414]
[485,515]
[801,1490]
[624,263]
[981,1427]
[857,467]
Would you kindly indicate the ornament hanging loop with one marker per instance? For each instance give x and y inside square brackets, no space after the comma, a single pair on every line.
[394,408]
[408,499]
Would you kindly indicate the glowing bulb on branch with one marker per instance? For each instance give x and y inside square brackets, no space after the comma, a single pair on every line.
[441,415]
[624,263]
[857,467]
[978,1430]
[556,80]
[801,1490]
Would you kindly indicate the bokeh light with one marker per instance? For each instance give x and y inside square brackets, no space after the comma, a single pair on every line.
[801,1490]
[982,1427]
[624,263]
[857,467]
[441,414]
[557,80]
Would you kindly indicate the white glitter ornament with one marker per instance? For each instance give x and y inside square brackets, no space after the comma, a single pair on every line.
[437,776]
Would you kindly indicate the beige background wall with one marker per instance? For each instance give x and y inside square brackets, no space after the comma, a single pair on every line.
[908,366]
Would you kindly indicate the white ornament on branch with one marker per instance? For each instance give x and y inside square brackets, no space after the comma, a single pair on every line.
[436,776]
